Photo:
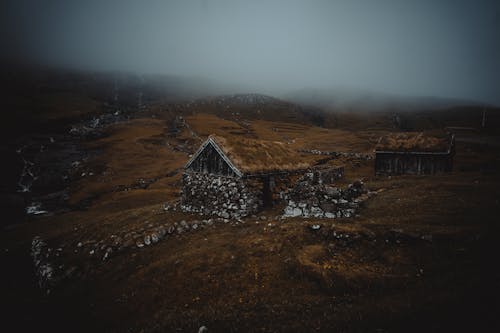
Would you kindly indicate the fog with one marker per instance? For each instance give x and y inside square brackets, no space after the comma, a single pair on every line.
[415,48]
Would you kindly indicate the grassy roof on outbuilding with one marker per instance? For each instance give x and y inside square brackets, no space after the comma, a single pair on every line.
[435,142]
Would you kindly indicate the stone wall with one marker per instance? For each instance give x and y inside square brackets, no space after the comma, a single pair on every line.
[223,196]
[308,195]
[313,199]
[324,175]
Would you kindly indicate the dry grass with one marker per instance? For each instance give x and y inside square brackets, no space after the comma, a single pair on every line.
[133,154]
[258,156]
[260,277]
[414,141]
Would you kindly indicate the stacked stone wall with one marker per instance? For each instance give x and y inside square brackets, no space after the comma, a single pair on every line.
[223,196]
[310,199]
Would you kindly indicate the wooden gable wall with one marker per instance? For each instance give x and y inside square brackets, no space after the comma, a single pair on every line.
[210,161]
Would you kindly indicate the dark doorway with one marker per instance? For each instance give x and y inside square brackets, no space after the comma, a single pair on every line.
[267,195]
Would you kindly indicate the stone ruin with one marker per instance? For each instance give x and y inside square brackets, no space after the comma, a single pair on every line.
[309,198]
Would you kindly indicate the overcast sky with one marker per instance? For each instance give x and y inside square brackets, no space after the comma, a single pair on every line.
[433,48]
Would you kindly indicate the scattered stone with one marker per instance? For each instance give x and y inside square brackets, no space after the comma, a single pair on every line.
[40,253]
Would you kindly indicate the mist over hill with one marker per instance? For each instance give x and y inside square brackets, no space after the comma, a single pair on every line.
[352,99]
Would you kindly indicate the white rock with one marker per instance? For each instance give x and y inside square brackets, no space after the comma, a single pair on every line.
[154,238]
[293,212]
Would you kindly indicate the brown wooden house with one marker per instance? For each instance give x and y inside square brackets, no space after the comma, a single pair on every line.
[414,153]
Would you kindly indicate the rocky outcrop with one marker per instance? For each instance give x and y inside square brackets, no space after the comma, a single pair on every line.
[226,197]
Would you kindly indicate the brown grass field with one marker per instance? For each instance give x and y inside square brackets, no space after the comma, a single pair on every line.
[421,256]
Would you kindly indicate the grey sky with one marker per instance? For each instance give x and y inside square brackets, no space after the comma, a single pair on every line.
[440,48]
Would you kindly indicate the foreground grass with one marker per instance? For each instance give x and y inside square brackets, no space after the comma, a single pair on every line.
[420,255]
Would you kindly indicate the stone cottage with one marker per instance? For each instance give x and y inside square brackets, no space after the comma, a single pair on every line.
[238,177]
[414,153]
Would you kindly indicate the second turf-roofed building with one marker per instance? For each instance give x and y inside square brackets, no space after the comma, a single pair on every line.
[415,153]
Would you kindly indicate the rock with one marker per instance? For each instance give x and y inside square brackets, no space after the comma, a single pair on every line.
[315,227]
[295,212]
[154,238]
[162,232]
[327,207]
[316,212]
[184,225]
[353,205]
[203,329]
[427,238]
[147,240]
[333,192]
[107,253]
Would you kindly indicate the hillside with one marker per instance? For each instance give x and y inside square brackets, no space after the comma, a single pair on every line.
[106,247]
